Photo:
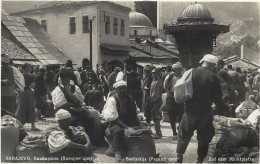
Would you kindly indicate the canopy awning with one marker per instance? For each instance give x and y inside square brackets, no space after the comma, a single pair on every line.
[116,47]
[22,62]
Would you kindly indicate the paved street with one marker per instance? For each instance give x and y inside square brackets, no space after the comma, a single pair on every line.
[166,147]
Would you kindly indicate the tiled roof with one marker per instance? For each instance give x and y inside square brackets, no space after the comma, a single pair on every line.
[244,64]
[13,50]
[30,35]
[138,54]
[151,51]
[66,4]
[50,50]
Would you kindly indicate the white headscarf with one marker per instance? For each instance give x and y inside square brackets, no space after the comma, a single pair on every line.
[62,114]
[120,80]
[57,141]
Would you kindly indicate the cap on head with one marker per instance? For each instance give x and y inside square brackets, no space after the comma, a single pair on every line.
[177,66]
[117,69]
[221,62]
[229,67]
[62,114]
[251,97]
[79,68]
[209,58]
[119,83]
[148,67]
[155,70]
[69,63]
[43,67]
[119,80]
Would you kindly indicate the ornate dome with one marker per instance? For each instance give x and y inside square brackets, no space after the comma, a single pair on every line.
[139,19]
[196,11]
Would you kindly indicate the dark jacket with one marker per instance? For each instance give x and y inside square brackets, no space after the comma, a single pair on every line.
[40,86]
[206,90]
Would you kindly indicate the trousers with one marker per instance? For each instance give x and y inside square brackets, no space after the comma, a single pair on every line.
[174,110]
[117,137]
[205,132]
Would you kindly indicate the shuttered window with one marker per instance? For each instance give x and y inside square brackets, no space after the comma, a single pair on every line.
[85,24]
[72,25]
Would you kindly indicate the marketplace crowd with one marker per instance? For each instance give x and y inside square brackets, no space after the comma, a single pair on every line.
[30,93]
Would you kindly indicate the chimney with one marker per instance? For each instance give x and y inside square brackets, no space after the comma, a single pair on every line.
[242,51]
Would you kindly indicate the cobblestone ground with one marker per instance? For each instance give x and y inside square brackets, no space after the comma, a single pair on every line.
[166,147]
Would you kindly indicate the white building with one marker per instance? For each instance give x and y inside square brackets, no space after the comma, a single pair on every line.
[67,23]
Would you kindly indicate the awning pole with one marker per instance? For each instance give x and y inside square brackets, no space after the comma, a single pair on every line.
[90,38]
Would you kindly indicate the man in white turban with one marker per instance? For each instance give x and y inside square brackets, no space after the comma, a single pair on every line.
[120,111]
[67,140]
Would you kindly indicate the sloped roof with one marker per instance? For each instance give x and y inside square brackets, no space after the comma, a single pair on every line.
[41,48]
[13,50]
[49,48]
[244,64]
[66,4]
[138,54]
[150,51]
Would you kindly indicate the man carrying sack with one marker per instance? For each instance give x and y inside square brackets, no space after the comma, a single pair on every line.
[198,114]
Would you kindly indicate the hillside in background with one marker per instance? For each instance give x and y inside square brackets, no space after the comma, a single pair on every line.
[243,18]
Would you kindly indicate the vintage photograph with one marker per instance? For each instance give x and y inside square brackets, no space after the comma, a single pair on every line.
[130,81]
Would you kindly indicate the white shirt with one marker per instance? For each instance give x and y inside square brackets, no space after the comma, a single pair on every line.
[109,112]
[77,74]
[18,78]
[253,117]
[240,107]
[59,99]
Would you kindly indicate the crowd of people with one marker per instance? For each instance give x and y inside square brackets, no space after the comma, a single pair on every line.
[122,94]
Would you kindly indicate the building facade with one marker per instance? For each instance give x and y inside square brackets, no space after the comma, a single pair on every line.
[68,24]
[25,41]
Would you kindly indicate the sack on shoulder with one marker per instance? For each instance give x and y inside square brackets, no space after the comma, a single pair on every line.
[183,89]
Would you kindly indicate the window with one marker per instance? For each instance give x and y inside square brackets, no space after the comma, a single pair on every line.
[150,32]
[135,32]
[72,25]
[107,28]
[44,24]
[122,27]
[115,26]
[85,23]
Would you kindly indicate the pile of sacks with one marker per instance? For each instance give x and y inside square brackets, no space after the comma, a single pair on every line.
[235,141]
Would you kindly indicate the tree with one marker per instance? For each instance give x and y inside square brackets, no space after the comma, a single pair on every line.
[148,8]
